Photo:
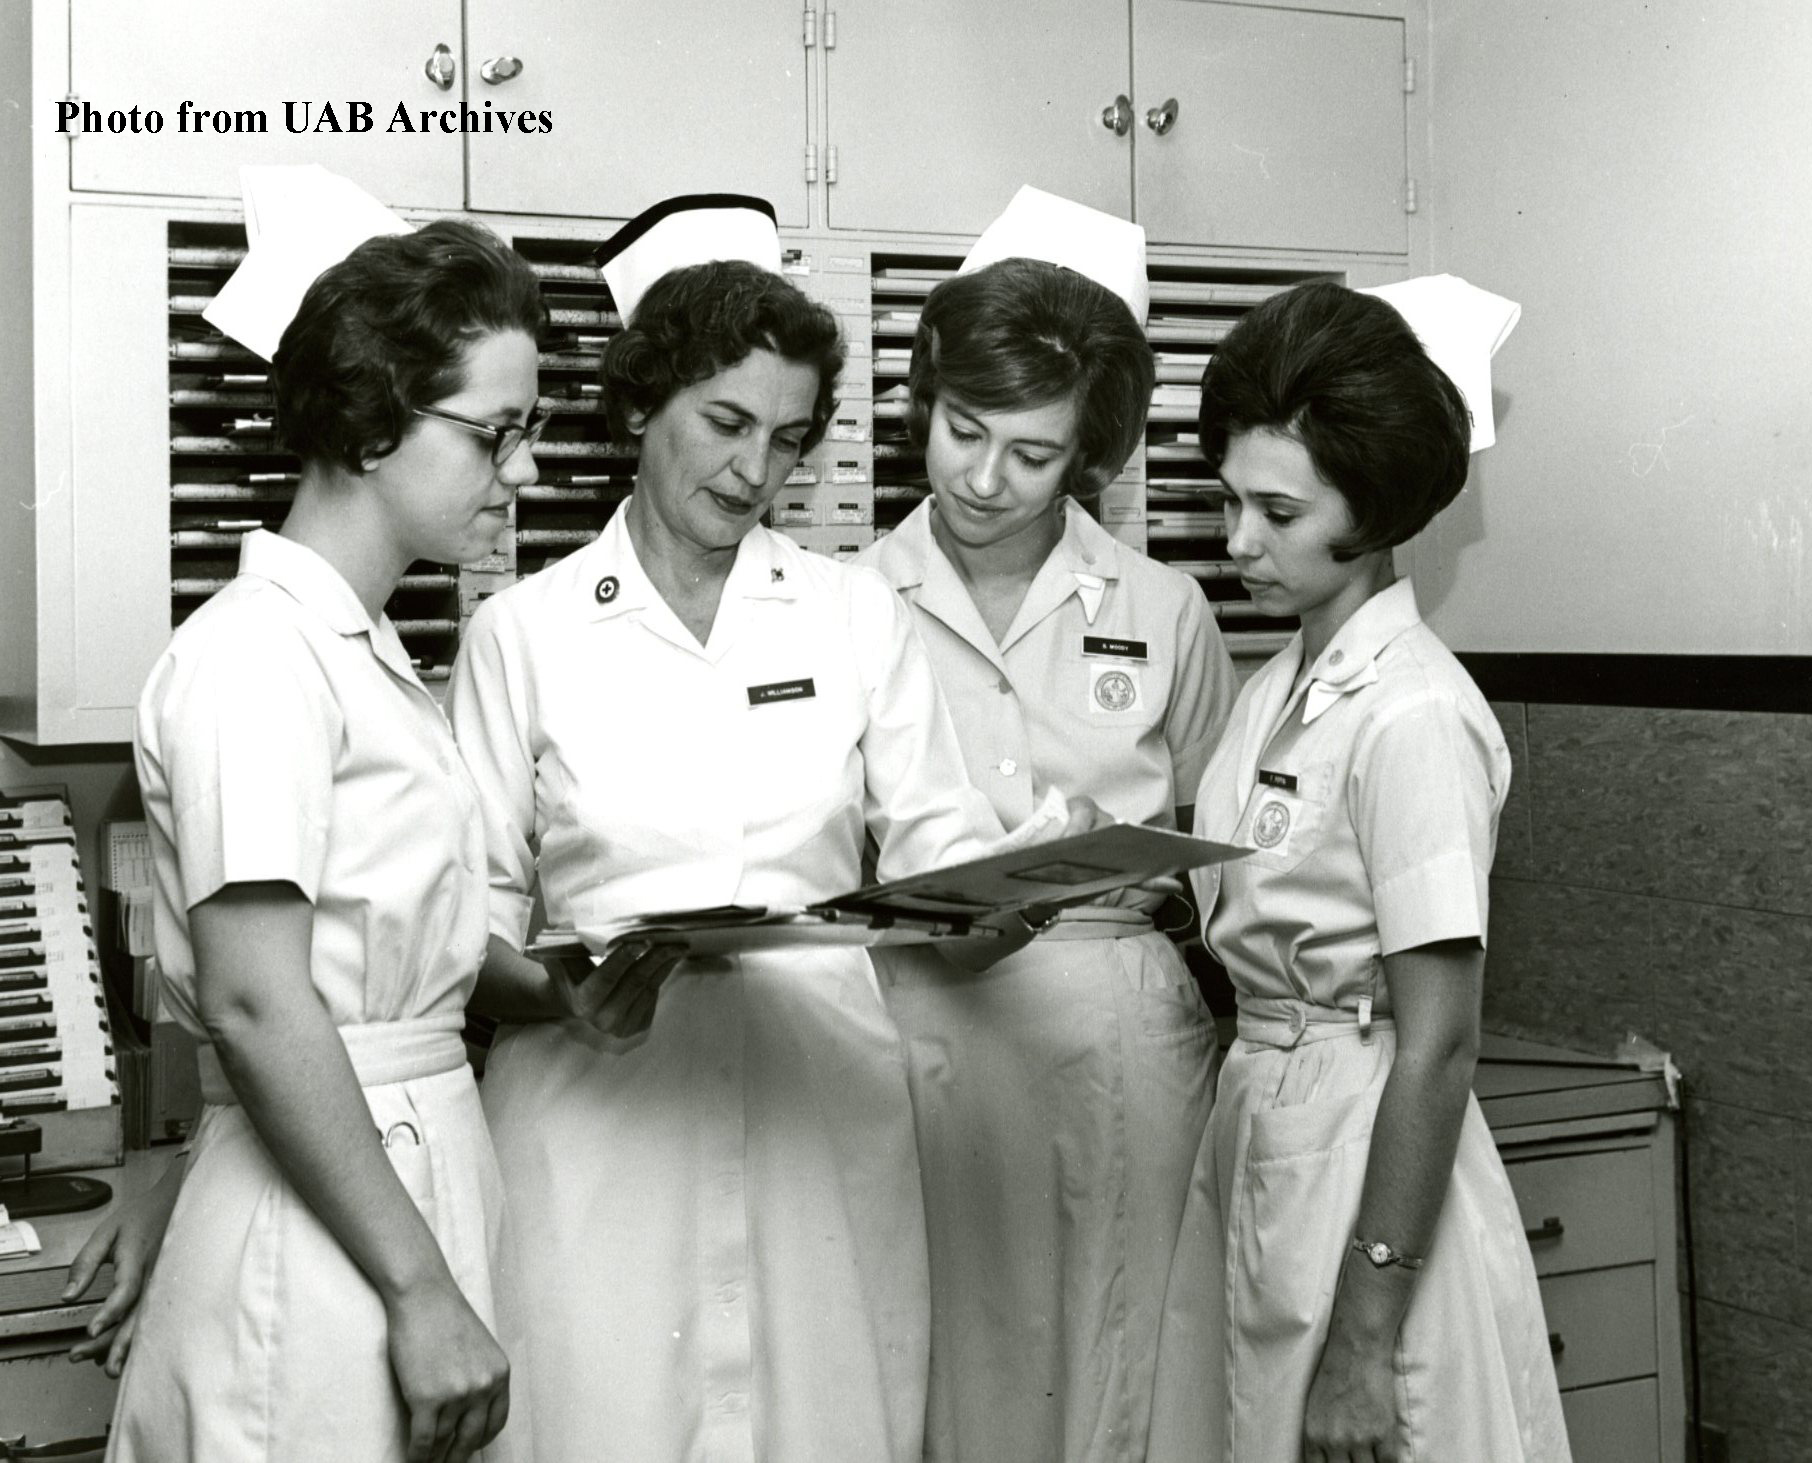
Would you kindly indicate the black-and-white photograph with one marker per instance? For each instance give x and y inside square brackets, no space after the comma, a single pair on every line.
[905,731]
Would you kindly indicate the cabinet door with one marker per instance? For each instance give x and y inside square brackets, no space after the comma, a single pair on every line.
[233,58]
[940,109]
[1289,131]
[687,96]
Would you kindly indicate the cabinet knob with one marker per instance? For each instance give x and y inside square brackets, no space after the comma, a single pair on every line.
[500,68]
[1118,117]
[1548,1229]
[439,68]
[1162,119]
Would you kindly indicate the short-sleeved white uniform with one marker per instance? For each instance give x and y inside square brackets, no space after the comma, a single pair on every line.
[1060,1097]
[723,1248]
[283,736]
[1370,787]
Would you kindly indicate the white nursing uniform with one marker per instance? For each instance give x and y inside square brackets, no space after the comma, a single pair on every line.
[723,1247]
[1060,1097]
[283,736]
[1371,787]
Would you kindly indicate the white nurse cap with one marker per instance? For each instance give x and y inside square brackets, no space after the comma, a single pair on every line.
[1460,326]
[299,222]
[1040,225]
[695,228]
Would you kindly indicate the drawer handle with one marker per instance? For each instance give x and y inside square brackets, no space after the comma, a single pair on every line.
[1549,1228]
[1556,1344]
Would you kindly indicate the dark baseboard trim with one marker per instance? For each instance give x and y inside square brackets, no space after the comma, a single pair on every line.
[1688,682]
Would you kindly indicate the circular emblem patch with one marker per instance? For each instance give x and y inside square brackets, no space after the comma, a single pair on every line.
[1115,691]
[607,589]
[1270,824]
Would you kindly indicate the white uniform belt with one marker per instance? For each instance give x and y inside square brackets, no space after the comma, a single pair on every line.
[381,1052]
[1281,1022]
[1097,922]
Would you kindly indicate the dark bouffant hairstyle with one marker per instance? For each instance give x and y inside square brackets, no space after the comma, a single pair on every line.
[1020,333]
[704,318]
[1343,374]
[385,331]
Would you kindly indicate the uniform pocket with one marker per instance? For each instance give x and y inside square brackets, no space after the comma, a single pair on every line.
[1286,824]
[1305,1167]
[406,1145]
[1169,1004]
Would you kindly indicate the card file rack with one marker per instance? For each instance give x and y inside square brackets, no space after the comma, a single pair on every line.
[228,472]
[57,1064]
[1165,501]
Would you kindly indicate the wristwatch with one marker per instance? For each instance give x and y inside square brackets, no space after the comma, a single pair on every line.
[1381,1254]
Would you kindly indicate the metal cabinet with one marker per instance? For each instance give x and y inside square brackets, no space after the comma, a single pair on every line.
[1220,124]
[688,96]
[937,110]
[232,62]
[1270,127]
[626,102]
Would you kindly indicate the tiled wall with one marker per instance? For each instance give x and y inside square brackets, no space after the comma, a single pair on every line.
[1654,873]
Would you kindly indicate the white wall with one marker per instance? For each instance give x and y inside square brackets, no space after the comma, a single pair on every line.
[1639,177]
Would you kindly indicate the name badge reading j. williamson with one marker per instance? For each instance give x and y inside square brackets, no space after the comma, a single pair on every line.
[800,690]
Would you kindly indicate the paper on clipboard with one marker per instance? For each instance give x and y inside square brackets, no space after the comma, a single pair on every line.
[946,903]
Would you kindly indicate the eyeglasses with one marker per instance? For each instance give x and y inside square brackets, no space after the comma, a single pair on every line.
[505,439]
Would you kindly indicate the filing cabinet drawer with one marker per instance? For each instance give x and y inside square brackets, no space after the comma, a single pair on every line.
[1586,1212]
[1614,1424]
[1604,1324]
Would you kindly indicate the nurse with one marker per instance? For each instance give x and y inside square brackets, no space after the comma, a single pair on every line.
[1060,1097]
[722,1242]
[325,1286]
[1373,1296]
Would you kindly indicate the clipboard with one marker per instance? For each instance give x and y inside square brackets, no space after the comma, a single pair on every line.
[954,902]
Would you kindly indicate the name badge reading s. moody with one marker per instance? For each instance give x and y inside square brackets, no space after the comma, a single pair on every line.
[1117,649]
[800,690]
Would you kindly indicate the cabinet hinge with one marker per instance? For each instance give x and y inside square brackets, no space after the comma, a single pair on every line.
[811,27]
[830,163]
[1409,195]
[830,30]
[76,102]
[811,162]
[1409,73]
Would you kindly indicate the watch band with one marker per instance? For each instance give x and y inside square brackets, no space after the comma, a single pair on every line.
[1382,1254]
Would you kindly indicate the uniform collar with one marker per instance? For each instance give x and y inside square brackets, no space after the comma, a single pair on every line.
[610,576]
[322,590]
[1085,560]
[1349,661]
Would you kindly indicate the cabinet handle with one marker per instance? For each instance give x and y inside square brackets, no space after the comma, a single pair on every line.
[500,68]
[439,68]
[1118,118]
[1162,119]
[1549,1228]
[1556,1343]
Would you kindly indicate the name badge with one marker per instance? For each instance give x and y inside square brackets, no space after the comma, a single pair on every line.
[1284,780]
[1116,649]
[801,690]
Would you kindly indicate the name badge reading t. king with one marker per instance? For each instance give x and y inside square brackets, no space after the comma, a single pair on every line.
[800,690]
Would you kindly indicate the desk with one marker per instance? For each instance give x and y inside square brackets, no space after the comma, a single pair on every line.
[41,1394]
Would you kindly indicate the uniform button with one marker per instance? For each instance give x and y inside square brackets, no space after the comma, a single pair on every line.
[1004,686]
[1008,767]
[1337,657]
